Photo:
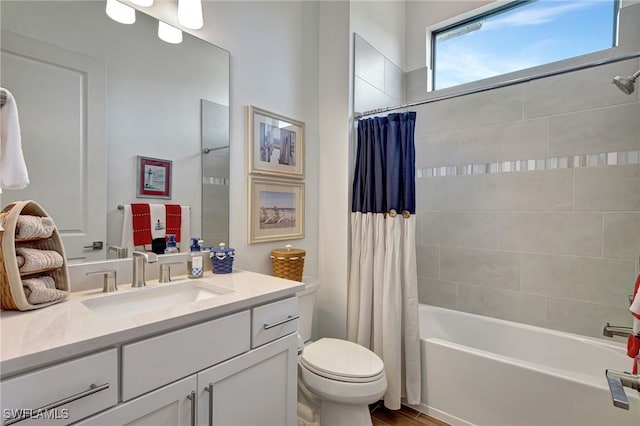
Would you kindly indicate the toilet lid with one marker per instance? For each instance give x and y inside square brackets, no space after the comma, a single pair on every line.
[342,360]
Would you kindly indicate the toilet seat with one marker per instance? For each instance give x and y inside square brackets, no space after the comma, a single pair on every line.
[342,361]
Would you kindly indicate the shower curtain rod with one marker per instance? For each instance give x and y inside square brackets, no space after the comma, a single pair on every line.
[358,115]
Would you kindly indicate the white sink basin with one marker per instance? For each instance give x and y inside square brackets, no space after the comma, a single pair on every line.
[151,299]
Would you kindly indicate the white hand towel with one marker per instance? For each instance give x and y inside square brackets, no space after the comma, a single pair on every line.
[42,290]
[13,169]
[635,305]
[37,260]
[185,229]
[158,220]
[127,225]
[28,227]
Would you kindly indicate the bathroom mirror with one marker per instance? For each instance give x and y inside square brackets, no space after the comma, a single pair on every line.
[94,94]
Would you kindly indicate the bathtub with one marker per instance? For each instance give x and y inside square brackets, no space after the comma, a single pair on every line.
[488,372]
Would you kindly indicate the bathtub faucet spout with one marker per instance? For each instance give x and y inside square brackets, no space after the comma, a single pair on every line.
[614,330]
[617,381]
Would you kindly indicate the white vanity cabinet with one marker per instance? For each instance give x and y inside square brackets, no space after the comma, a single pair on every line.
[170,406]
[61,393]
[257,388]
[211,374]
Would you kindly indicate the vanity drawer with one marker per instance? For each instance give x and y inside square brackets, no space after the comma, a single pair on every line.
[87,385]
[274,320]
[154,362]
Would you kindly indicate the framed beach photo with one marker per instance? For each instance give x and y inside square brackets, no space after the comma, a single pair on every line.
[276,144]
[153,178]
[276,210]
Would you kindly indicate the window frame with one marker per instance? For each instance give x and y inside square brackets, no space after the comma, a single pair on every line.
[493,9]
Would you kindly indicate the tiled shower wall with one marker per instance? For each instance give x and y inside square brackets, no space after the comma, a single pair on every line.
[529,201]
[528,196]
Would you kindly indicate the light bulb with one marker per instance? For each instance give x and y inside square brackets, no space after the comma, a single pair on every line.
[120,12]
[190,14]
[143,3]
[168,33]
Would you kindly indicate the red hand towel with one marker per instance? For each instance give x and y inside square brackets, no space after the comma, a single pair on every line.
[141,219]
[633,346]
[174,219]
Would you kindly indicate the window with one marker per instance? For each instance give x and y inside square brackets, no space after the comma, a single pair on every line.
[520,35]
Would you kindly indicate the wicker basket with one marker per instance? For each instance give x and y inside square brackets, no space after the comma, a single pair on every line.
[288,263]
[12,295]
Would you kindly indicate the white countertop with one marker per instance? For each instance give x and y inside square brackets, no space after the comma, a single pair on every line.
[34,338]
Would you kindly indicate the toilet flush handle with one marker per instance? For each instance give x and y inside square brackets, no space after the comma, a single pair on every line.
[284,321]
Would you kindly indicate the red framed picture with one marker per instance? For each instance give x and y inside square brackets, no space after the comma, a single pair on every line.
[154,178]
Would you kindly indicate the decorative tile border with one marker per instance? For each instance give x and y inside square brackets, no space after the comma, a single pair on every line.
[208,180]
[537,164]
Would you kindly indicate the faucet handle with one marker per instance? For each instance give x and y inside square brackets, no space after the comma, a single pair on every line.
[617,381]
[617,393]
[165,272]
[110,283]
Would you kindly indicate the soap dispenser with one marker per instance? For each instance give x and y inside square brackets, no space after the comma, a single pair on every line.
[171,245]
[195,262]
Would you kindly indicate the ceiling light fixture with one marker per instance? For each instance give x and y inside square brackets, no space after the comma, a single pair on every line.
[168,33]
[190,14]
[120,12]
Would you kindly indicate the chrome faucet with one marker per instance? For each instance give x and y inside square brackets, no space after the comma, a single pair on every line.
[617,380]
[614,330]
[139,260]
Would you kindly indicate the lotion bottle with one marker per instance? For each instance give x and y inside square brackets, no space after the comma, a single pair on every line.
[195,261]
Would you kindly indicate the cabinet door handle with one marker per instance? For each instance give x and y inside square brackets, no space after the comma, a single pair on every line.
[194,407]
[287,319]
[27,414]
[210,390]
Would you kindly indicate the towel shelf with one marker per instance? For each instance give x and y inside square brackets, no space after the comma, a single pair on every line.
[12,295]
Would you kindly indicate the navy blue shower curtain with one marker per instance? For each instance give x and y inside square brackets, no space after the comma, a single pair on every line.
[385,165]
[383,284]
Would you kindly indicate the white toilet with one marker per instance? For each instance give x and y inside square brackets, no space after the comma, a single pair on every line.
[337,379]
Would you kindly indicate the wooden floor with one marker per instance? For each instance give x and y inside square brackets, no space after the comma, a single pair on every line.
[382,416]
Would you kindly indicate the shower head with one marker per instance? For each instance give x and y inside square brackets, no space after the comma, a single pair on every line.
[626,84]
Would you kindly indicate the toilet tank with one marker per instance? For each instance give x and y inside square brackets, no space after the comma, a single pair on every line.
[306,305]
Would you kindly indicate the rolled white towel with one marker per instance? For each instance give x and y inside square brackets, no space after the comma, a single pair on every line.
[37,260]
[635,305]
[42,290]
[13,169]
[28,227]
